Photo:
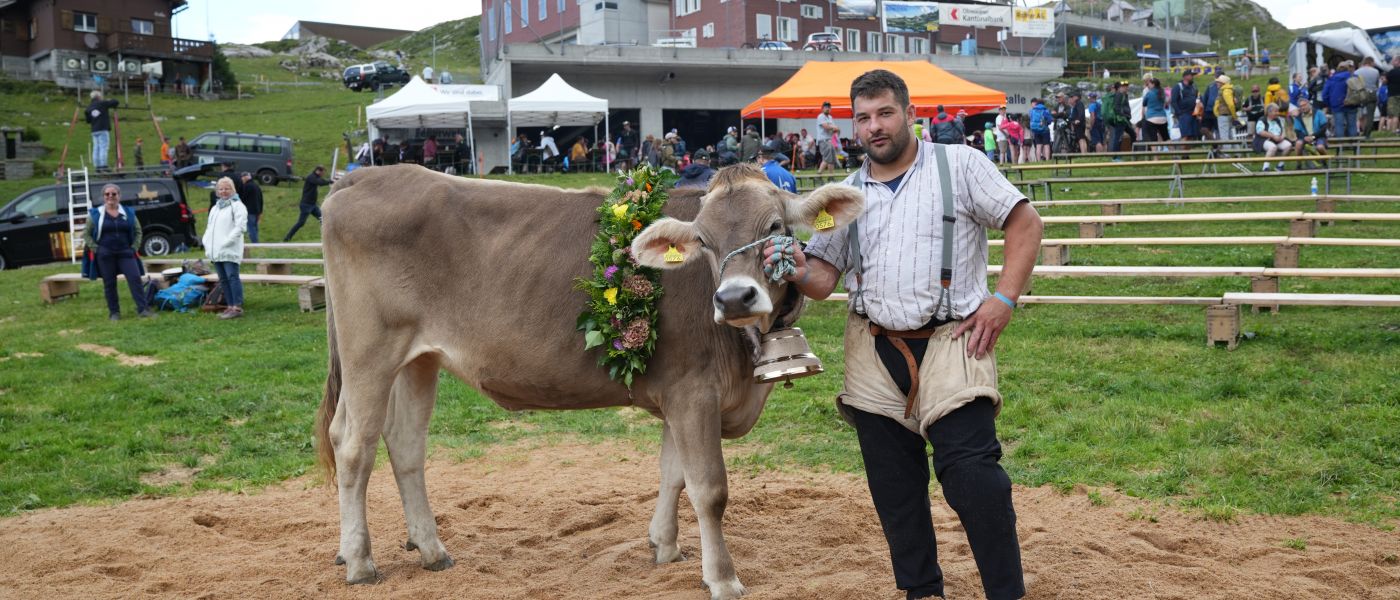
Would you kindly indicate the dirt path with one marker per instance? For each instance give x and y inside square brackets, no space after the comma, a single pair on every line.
[570,522]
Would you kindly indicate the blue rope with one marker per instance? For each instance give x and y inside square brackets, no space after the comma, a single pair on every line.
[782,264]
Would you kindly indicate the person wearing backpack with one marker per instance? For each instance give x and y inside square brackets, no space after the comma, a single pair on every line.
[1368,97]
[1336,92]
[1117,116]
[1224,109]
[1040,119]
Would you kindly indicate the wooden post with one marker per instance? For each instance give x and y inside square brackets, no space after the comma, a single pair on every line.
[1302,228]
[52,290]
[1286,256]
[1054,255]
[1091,230]
[1111,210]
[1223,325]
[275,268]
[1328,205]
[312,296]
[1264,285]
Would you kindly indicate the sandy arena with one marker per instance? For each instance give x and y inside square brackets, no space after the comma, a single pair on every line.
[570,522]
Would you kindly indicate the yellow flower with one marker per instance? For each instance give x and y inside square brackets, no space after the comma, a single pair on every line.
[619,211]
[611,295]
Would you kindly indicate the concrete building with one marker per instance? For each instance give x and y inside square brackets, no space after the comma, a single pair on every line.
[355,35]
[87,43]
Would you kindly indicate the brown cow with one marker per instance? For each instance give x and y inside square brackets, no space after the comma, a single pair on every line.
[425,272]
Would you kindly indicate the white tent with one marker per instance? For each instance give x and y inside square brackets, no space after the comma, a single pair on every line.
[419,106]
[557,103]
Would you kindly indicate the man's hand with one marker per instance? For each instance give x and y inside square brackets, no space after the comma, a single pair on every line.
[799,259]
[986,325]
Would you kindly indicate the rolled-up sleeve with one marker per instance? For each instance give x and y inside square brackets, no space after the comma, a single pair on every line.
[989,194]
[830,247]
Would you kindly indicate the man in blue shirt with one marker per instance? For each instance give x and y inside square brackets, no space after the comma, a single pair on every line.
[775,172]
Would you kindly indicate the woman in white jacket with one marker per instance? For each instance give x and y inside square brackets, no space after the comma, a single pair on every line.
[223,244]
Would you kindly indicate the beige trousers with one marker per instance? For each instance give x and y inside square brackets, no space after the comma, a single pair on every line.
[948,378]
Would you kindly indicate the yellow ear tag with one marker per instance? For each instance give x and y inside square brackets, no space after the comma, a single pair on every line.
[824,221]
[673,255]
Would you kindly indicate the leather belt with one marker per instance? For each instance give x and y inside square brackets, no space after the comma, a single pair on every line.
[896,339]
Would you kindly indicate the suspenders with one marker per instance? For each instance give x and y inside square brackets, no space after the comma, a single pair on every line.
[945,274]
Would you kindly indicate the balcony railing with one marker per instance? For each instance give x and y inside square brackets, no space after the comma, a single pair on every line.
[159,46]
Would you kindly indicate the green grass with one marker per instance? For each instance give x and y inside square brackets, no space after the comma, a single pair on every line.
[1301,419]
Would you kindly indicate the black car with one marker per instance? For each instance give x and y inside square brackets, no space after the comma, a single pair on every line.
[372,76]
[34,227]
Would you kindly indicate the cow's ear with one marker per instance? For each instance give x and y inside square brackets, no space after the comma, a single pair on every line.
[666,244]
[830,206]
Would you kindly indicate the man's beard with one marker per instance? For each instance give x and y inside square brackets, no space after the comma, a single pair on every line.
[898,142]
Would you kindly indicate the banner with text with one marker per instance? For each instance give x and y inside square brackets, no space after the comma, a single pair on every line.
[975,15]
[1033,22]
[910,17]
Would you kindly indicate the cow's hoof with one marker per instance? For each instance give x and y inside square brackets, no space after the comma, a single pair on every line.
[371,577]
[339,560]
[728,590]
[668,554]
[441,565]
[410,546]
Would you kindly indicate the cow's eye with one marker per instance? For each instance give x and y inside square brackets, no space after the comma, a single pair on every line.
[776,226]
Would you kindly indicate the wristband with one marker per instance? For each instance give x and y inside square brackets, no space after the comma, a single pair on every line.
[1003,298]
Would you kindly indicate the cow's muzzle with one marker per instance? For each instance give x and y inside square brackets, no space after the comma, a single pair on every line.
[741,302]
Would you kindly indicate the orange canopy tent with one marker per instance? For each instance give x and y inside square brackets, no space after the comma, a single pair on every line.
[801,96]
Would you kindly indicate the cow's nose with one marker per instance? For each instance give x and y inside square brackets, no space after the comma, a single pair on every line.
[736,300]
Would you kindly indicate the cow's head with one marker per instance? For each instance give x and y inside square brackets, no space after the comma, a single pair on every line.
[741,207]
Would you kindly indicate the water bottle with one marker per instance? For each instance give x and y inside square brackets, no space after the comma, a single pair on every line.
[1314,186]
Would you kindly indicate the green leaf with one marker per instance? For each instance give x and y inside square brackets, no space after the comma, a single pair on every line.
[593,339]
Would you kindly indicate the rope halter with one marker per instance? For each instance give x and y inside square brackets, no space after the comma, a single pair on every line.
[782,264]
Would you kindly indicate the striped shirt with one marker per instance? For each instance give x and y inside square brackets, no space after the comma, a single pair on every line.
[901,239]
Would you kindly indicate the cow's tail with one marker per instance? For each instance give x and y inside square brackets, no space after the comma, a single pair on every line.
[325,450]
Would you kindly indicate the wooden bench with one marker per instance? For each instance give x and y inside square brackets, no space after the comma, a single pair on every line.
[1301,224]
[311,293]
[267,266]
[1114,206]
[1055,251]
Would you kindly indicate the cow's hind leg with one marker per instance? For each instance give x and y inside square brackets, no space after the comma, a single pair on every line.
[406,435]
[662,533]
[697,436]
[354,433]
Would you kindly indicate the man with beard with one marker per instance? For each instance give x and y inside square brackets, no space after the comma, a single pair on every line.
[919,339]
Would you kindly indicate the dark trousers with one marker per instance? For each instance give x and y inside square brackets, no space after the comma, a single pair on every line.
[966,457]
[253,227]
[306,209]
[1116,132]
[110,265]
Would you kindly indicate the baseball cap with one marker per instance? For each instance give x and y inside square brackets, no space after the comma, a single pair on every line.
[1093,94]
[1223,79]
[700,155]
[732,129]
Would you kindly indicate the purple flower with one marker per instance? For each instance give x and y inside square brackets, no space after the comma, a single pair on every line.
[617,344]
[630,182]
[609,272]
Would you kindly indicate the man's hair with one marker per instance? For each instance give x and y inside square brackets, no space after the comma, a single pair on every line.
[95,95]
[1368,61]
[874,83]
[319,168]
[826,105]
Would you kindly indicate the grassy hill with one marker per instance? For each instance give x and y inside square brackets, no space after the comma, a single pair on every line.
[457,48]
[1232,21]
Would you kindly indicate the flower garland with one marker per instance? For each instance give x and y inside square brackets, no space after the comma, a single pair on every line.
[622,295]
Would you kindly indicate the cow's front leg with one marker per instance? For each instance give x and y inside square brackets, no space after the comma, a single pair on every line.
[662,533]
[697,436]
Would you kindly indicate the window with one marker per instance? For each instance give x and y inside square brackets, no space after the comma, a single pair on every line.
[143,27]
[872,41]
[894,44]
[491,23]
[853,40]
[685,7]
[544,10]
[918,45]
[708,30]
[561,6]
[605,6]
[205,142]
[84,22]
[811,11]
[525,13]
[43,203]
[273,147]
[787,29]
[835,30]
[238,143]
[33,29]
[763,28]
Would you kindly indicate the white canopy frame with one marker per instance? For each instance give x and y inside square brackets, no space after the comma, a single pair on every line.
[556,103]
[420,106]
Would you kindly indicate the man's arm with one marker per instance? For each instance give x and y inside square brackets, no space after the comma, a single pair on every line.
[1023,229]
[814,277]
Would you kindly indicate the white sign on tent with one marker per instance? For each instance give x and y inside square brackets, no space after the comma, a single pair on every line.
[474,93]
[974,15]
[1036,22]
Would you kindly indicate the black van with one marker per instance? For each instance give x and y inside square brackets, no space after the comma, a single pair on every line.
[34,227]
